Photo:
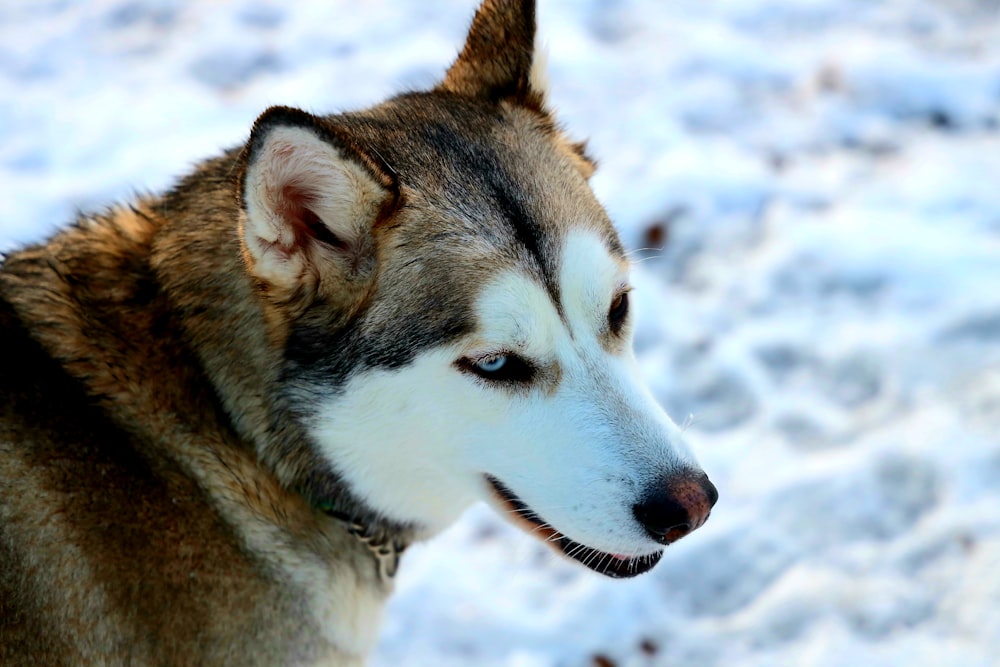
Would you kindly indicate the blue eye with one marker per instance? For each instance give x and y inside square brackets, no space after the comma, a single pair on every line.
[492,364]
[502,368]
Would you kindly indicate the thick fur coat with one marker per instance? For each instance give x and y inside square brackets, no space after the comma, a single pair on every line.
[227,409]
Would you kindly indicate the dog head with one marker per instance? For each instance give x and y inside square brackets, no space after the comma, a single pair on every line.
[458,314]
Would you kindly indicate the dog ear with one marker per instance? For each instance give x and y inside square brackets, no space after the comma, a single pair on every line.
[310,201]
[499,60]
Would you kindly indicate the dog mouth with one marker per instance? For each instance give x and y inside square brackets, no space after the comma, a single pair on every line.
[611,565]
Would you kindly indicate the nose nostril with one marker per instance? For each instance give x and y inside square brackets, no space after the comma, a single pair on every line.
[664,519]
[676,507]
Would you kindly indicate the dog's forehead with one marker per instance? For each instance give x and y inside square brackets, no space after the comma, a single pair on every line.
[483,178]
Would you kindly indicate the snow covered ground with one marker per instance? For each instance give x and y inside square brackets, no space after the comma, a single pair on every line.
[813,190]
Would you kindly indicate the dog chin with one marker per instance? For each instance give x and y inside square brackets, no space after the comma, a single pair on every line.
[617,566]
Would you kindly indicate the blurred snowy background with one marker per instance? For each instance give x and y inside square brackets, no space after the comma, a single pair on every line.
[814,190]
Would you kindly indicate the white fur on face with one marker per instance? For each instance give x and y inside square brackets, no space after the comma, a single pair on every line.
[416,443]
[399,438]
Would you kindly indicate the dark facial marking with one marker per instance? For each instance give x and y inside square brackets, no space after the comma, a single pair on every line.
[320,359]
[482,172]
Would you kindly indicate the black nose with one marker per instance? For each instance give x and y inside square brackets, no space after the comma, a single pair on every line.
[675,507]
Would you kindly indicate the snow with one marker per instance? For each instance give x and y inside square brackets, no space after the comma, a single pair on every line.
[824,314]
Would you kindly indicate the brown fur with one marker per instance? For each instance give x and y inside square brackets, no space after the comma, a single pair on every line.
[122,473]
[496,61]
[155,500]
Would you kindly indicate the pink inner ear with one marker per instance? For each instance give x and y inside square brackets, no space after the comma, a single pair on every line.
[295,206]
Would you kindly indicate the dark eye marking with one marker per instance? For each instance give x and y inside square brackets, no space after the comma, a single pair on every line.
[618,312]
[505,368]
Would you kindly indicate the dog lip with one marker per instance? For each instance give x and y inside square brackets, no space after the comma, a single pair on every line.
[616,566]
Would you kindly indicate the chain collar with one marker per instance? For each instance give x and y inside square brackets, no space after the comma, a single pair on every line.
[384,548]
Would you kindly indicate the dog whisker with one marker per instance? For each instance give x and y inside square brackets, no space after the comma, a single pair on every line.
[689,421]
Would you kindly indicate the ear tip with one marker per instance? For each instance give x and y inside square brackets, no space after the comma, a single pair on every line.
[498,58]
[527,7]
[505,15]
[267,120]
[322,130]
[276,116]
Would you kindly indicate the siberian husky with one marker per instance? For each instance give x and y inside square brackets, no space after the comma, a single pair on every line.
[226,411]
